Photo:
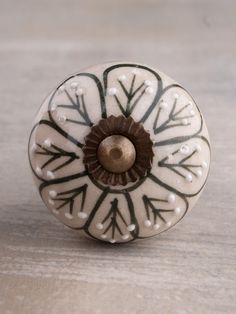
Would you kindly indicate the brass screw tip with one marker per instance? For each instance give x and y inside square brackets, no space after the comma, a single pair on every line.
[116,153]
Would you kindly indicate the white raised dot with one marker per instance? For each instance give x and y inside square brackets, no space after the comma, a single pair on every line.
[204,164]
[79,92]
[68,216]
[170,157]
[50,175]
[184,149]
[103,236]
[52,193]
[34,148]
[199,173]
[112,91]
[149,90]
[177,210]
[171,198]
[190,104]
[135,71]
[163,105]
[55,211]
[192,113]
[176,96]
[147,223]
[131,227]
[38,170]
[156,226]
[61,89]
[47,143]
[184,121]
[112,241]
[62,119]
[189,177]
[99,226]
[125,236]
[74,85]
[82,215]
[51,202]
[198,147]
[168,224]
[147,83]
[53,107]
[122,78]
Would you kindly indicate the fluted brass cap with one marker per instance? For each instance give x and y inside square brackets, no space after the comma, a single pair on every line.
[118,150]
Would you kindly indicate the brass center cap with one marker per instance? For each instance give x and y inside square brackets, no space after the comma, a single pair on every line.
[116,153]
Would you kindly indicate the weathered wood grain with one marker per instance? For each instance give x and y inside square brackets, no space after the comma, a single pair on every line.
[48,268]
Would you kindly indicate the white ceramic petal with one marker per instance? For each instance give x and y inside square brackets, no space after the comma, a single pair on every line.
[51,155]
[175,118]
[183,166]
[69,199]
[112,218]
[158,207]
[131,89]
[75,105]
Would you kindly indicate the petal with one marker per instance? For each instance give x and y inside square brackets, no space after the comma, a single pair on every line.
[175,118]
[157,207]
[79,204]
[181,146]
[183,166]
[76,105]
[51,155]
[112,218]
[69,198]
[131,89]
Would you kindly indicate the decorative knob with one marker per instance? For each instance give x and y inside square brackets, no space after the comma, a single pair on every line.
[120,152]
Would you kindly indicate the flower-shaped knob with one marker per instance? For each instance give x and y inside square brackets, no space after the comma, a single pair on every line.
[119,152]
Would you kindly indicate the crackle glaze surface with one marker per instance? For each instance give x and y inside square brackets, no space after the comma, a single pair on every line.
[140,209]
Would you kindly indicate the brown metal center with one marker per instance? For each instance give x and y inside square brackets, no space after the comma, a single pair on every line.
[116,153]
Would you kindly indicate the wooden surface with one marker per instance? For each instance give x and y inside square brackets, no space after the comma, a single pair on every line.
[48,268]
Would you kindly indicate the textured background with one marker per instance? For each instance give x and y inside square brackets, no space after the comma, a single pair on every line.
[48,268]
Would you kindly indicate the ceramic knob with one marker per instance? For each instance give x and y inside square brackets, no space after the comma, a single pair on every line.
[119,152]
